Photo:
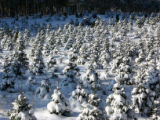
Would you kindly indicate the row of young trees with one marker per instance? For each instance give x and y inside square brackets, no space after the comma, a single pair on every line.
[27,7]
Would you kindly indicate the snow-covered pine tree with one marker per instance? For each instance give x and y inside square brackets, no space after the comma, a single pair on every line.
[1,37]
[3,41]
[15,37]
[51,63]
[41,37]
[155,111]
[105,59]
[140,22]
[72,57]
[149,45]
[153,78]
[91,77]
[46,50]
[80,94]
[21,110]
[44,89]
[129,48]
[117,60]
[20,60]
[93,99]
[48,30]
[71,71]
[8,76]
[141,55]
[118,107]
[7,41]
[35,44]
[51,41]
[59,105]
[124,72]
[77,44]
[69,42]
[112,47]
[95,54]
[142,99]
[83,54]
[90,113]
[10,44]
[140,76]
[31,81]
[27,37]
[38,65]
[153,83]
[58,40]
[151,55]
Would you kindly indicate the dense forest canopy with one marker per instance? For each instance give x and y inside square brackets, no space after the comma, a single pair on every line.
[27,7]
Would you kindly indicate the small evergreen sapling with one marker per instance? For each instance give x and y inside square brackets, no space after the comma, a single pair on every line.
[20,60]
[44,89]
[71,71]
[80,94]
[118,107]
[94,100]
[38,65]
[21,110]
[8,76]
[143,100]
[59,105]
[92,79]
[90,113]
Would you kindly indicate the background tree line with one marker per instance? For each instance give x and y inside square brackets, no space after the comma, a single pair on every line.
[10,8]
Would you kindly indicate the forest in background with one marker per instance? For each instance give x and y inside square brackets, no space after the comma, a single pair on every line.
[12,8]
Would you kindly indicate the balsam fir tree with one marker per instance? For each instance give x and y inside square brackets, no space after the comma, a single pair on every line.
[31,82]
[116,62]
[153,83]
[35,45]
[6,41]
[141,57]
[50,43]
[44,89]
[93,99]
[91,77]
[90,113]
[21,110]
[80,94]
[1,37]
[124,73]
[3,41]
[143,100]
[27,37]
[71,71]
[72,57]
[51,63]
[95,54]
[140,76]
[20,60]
[59,105]
[10,44]
[69,43]
[153,78]
[151,55]
[8,76]
[155,112]
[91,110]
[46,50]
[117,104]
[38,65]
